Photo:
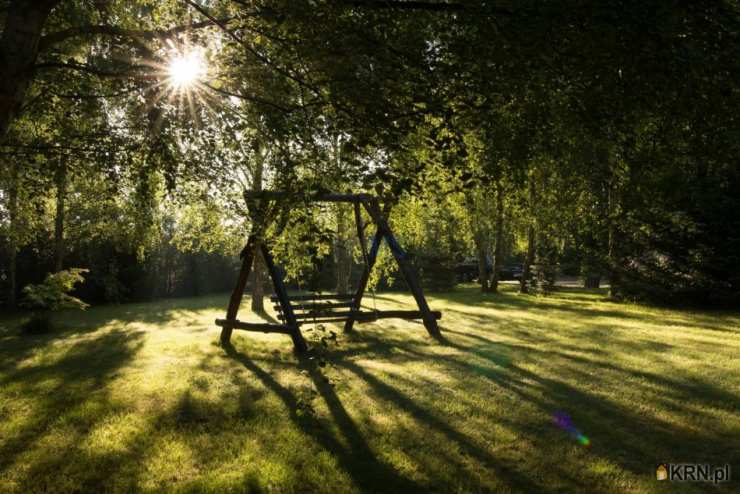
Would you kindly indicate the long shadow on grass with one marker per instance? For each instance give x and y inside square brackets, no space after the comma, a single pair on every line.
[624,435]
[393,396]
[357,459]
[64,398]
[578,302]
[384,392]
[590,338]
[678,389]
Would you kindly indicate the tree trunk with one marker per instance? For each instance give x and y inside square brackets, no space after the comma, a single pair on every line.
[342,253]
[614,268]
[531,236]
[529,258]
[192,259]
[60,179]
[13,237]
[258,273]
[480,247]
[345,231]
[19,46]
[258,283]
[498,241]
[479,238]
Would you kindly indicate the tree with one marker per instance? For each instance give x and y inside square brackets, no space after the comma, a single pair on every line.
[24,22]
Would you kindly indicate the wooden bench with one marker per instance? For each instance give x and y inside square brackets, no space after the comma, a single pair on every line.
[322,308]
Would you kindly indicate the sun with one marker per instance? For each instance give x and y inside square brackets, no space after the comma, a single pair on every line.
[186,69]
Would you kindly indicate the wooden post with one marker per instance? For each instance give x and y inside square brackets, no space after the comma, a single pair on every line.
[407,271]
[282,294]
[247,256]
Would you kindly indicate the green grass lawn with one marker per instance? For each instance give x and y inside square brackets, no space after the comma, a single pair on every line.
[141,398]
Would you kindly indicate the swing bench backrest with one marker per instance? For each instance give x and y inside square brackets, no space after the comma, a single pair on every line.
[331,307]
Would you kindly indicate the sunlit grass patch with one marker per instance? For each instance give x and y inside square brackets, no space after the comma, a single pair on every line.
[140,397]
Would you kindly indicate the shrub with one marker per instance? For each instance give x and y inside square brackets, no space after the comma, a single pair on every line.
[51,295]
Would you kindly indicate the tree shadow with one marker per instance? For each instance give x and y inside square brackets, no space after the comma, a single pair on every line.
[361,458]
[636,441]
[357,458]
[619,433]
[456,439]
[67,392]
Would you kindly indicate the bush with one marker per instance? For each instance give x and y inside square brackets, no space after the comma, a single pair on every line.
[51,295]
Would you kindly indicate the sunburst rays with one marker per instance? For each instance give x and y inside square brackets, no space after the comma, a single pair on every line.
[181,80]
[186,69]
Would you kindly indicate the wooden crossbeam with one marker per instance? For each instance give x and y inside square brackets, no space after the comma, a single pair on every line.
[399,314]
[252,326]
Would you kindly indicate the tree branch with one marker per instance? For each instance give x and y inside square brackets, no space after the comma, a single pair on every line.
[246,97]
[108,30]
[98,72]
[250,49]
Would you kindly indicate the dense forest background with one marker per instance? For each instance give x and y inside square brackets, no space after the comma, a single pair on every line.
[598,139]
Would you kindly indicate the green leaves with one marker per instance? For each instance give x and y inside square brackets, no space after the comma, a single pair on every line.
[53,293]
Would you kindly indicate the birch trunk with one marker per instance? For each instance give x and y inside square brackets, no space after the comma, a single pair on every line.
[498,239]
[342,253]
[524,283]
[60,179]
[13,237]
[258,272]
[480,247]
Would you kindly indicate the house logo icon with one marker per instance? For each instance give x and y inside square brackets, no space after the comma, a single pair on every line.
[661,473]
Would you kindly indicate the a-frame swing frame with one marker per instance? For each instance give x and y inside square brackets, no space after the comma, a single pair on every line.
[260,202]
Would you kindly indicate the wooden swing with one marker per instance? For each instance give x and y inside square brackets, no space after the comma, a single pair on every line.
[296,310]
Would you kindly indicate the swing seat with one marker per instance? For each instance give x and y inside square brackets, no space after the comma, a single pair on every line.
[309,311]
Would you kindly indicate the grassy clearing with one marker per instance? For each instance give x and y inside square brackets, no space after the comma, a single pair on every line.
[140,398]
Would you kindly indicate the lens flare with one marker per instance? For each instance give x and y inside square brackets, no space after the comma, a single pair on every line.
[563,421]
